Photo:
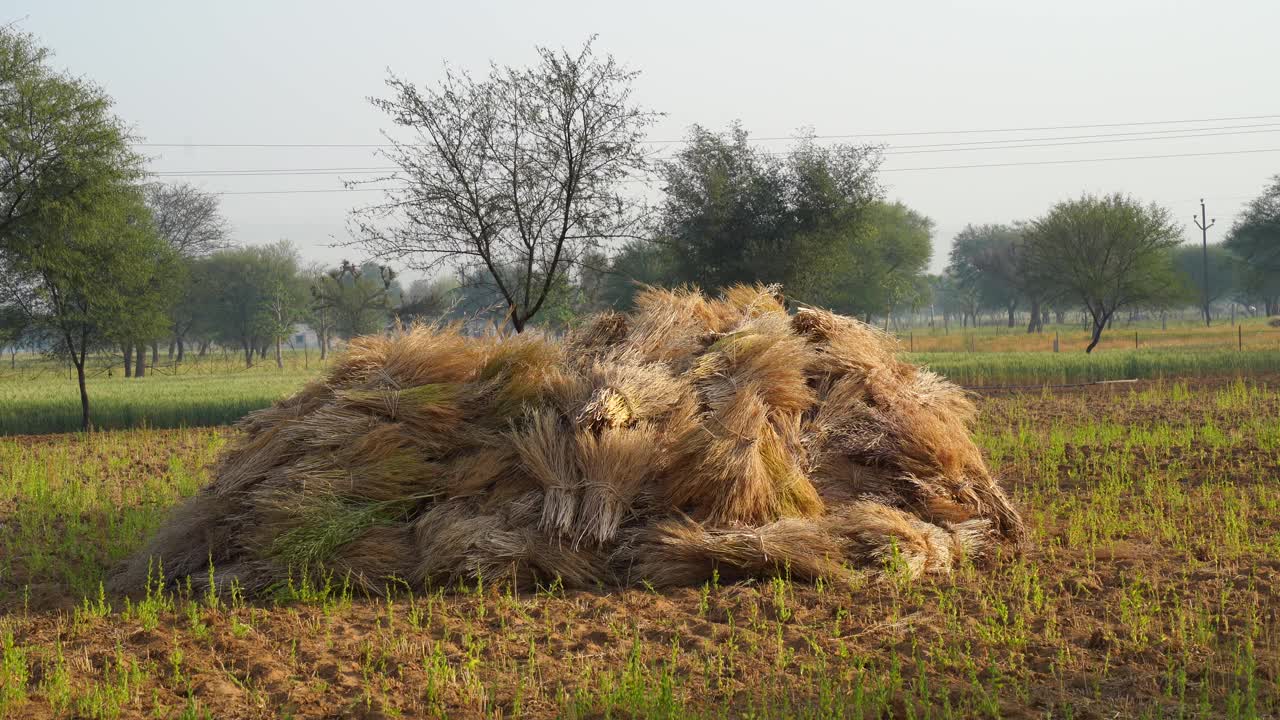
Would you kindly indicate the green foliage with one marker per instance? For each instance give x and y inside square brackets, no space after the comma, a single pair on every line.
[988,262]
[254,295]
[353,300]
[1255,238]
[1226,273]
[873,270]
[93,277]
[427,299]
[735,214]
[1106,253]
[60,145]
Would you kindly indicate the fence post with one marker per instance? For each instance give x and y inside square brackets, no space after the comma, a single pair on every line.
[1055,341]
[1135,339]
[912,337]
[1240,336]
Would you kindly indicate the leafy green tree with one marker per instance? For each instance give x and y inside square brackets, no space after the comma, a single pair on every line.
[256,295]
[60,144]
[356,300]
[869,269]
[1255,239]
[989,261]
[90,278]
[732,213]
[1106,253]
[191,222]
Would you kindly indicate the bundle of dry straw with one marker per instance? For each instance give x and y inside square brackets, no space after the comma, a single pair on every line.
[688,437]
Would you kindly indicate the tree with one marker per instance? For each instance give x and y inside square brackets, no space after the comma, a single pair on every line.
[427,300]
[869,269]
[989,260]
[353,300]
[732,213]
[1105,252]
[189,219]
[191,222]
[15,327]
[256,297]
[90,278]
[1225,271]
[60,144]
[1255,239]
[637,263]
[514,175]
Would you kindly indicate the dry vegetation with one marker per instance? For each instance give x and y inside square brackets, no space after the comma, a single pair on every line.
[688,439]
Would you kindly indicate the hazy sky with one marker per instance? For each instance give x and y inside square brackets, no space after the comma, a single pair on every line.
[294,72]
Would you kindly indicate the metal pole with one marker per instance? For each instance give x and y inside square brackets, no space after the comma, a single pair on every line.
[1204,246]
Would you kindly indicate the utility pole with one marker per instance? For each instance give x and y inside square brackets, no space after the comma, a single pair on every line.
[1204,245]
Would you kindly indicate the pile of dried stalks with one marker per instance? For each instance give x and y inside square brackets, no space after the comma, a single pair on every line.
[687,437]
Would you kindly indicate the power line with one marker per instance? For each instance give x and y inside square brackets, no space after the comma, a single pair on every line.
[901,150]
[297,192]
[906,169]
[266,172]
[766,139]
[1084,160]
[1153,135]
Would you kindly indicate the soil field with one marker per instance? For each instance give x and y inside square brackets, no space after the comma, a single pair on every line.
[1150,588]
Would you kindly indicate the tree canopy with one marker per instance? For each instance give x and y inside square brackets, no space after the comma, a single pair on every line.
[60,144]
[733,213]
[1106,252]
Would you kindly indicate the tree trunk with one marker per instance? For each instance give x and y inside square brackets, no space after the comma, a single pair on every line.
[1061,316]
[1012,321]
[1099,323]
[1035,324]
[248,355]
[279,358]
[140,365]
[324,344]
[155,353]
[128,360]
[204,348]
[181,343]
[85,425]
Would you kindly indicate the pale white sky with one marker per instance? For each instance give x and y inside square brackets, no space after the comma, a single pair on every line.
[299,72]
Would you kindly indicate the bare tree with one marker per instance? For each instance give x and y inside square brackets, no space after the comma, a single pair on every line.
[516,175]
[189,219]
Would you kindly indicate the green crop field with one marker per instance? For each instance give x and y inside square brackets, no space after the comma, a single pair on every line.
[51,404]
[1148,588]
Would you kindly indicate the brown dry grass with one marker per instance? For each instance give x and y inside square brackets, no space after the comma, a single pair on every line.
[692,437]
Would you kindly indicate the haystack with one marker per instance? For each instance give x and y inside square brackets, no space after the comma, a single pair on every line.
[689,437]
